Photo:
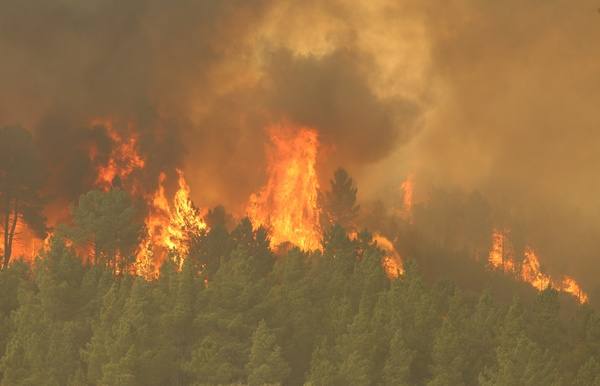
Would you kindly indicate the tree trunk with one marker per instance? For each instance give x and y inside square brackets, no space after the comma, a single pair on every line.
[10,227]
[6,257]
[13,228]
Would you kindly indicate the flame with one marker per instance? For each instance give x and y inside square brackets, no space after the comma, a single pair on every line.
[501,258]
[531,273]
[287,204]
[169,228]
[570,286]
[186,219]
[392,261]
[25,244]
[169,225]
[123,159]
[408,188]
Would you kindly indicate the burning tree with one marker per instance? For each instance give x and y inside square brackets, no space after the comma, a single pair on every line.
[20,184]
[287,204]
[339,203]
[108,225]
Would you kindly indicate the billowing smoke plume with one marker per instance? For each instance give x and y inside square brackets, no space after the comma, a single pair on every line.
[498,97]
[208,74]
[515,115]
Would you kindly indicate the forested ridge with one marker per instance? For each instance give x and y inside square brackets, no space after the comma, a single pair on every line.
[236,312]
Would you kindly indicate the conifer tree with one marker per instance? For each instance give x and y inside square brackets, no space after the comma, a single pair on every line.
[266,365]
[339,203]
[397,369]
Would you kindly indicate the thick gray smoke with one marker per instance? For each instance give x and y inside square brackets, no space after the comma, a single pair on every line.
[498,97]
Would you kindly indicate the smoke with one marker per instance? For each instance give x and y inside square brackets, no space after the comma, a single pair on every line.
[514,115]
[496,97]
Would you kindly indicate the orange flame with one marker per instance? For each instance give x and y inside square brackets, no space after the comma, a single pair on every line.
[408,188]
[123,159]
[169,228]
[392,261]
[287,204]
[531,273]
[501,258]
[570,286]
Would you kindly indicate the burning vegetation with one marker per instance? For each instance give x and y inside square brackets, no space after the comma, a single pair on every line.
[290,206]
[299,193]
[502,257]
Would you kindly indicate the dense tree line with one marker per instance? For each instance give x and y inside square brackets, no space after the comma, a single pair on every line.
[238,313]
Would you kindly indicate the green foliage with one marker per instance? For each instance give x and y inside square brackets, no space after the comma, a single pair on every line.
[266,365]
[109,223]
[21,180]
[237,314]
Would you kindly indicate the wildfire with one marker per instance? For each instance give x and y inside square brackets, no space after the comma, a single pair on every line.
[123,159]
[169,227]
[407,187]
[25,245]
[501,258]
[531,273]
[569,285]
[287,204]
[392,261]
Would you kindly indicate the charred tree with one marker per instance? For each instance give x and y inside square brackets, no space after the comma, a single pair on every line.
[20,183]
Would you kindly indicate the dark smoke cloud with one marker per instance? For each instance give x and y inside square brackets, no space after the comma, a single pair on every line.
[67,62]
[332,93]
[199,73]
[516,116]
[506,95]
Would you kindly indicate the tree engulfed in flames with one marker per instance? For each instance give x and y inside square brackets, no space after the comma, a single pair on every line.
[501,257]
[169,227]
[501,254]
[531,272]
[288,204]
[392,261]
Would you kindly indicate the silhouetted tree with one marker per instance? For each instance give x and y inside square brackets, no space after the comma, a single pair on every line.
[110,224]
[339,202]
[21,178]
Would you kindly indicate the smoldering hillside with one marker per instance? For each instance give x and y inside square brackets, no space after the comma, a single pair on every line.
[498,98]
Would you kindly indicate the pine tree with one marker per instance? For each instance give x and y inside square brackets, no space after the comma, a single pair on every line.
[588,374]
[266,365]
[110,223]
[397,369]
[323,371]
[339,203]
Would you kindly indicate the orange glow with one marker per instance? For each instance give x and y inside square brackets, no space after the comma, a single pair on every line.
[287,204]
[123,159]
[408,189]
[569,285]
[531,273]
[501,258]
[25,244]
[168,228]
[392,261]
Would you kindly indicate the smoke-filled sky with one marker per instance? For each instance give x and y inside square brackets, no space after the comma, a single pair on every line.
[497,96]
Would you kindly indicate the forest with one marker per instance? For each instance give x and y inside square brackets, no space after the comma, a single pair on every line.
[237,311]
[227,306]
[331,192]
